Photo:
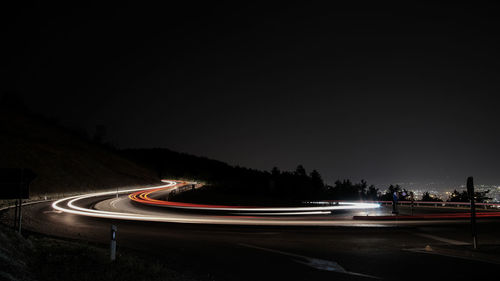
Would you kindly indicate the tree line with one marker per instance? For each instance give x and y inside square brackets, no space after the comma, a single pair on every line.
[298,184]
[455,196]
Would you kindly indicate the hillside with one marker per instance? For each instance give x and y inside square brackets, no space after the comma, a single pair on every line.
[64,161]
[227,183]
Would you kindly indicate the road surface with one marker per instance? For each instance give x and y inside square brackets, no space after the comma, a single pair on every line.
[326,251]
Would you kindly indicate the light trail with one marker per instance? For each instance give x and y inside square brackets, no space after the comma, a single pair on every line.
[144,198]
[70,205]
[254,215]
[431,216]
[73,209]
[286,213]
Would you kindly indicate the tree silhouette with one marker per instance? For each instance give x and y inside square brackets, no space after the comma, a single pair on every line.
[372,193]
[316,182]
[275,172]
[479,196]
[430,197]
[300,171]
[242,185]
[346,190]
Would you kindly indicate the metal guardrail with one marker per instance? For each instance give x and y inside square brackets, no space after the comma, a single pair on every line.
[416,203]
[444,204]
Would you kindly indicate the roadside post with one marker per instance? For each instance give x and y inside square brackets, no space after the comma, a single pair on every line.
[20,216]
[14,184]
[470,191]
[395,203]
[412,199]
[15,214]
[113,243]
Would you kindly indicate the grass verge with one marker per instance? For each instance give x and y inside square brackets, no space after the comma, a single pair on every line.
[44,258]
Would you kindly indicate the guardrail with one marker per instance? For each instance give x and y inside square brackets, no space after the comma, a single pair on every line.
[445,204]
[416,204]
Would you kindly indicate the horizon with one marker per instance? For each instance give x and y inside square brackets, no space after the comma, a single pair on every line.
[438,187]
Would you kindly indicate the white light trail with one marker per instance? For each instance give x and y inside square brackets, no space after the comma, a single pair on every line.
[69,205]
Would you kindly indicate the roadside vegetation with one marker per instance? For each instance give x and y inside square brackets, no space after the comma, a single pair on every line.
[42,258]
[455,196]
[226,184]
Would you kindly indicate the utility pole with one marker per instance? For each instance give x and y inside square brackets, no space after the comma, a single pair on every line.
[470,191]
[412,198]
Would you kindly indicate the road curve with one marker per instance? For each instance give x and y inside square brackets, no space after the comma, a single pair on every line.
[142,205]
[226,246]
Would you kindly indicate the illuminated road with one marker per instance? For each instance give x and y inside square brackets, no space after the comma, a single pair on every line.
[223,246]
[108,205]
[143,205]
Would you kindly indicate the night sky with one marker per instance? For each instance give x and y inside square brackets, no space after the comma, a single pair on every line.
[383,93]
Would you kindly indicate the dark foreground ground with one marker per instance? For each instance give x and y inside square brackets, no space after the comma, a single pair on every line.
[38,257]
[402,252]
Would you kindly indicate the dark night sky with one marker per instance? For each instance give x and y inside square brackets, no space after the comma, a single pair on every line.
[388,94]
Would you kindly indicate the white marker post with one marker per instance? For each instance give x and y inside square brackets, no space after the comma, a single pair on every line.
[113,242]
[20,215]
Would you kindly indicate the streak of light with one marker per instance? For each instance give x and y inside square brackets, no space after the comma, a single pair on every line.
[286,213]
[69,205]
[144,198]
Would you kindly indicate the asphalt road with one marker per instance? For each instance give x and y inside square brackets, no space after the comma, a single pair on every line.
[236,252]
[140,204]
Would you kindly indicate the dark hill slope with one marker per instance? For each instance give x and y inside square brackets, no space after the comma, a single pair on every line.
[64,161]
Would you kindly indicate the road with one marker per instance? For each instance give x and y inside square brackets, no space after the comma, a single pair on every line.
[357,251]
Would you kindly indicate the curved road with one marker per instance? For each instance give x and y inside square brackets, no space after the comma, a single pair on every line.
[333,247]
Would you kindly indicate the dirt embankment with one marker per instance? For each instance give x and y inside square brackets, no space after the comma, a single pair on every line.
[64,161]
